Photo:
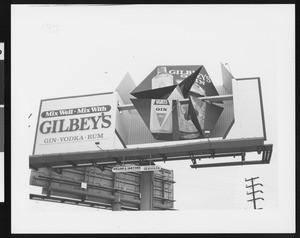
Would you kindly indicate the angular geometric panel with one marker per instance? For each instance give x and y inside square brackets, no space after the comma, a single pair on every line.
[187,83]
[212,115]
[227,79]
[143,107]
[207,113]
[158,102]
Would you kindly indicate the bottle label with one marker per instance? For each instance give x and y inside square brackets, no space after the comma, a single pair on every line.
[161,116]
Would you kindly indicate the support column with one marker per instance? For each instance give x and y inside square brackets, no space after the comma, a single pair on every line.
[146,190]
[116,205]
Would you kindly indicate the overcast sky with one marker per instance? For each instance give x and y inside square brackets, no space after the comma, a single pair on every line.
[76,50]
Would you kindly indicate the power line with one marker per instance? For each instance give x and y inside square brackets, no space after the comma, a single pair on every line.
[252,186]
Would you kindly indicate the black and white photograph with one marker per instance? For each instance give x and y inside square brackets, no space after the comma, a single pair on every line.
[152,118]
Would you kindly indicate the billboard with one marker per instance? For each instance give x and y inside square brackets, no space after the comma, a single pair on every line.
[73,124]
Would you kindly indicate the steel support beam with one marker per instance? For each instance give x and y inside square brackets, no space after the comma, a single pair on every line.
[132,155]
[111,198]
[230,164]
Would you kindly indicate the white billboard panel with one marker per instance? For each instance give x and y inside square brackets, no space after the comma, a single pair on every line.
[74,124]
[248,109]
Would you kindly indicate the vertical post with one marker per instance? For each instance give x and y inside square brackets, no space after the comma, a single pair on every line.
[163,186]
[253,194]
[49,183]
[146,190]
[116,204]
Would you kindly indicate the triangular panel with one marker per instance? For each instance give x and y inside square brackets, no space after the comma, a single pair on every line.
[207,114]
[145,84]
[227,79]
[143,107]
[187,83]
[212,115]
[176,94]
[125,87]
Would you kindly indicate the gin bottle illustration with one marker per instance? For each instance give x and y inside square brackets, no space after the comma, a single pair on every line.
[161,109]
[187,129]
[162,79]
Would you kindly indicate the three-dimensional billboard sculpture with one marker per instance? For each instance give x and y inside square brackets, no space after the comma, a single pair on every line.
[169,102]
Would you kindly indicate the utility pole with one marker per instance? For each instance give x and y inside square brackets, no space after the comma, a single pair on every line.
[253,191]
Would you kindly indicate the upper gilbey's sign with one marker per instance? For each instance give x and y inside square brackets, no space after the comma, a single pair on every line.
[75,123]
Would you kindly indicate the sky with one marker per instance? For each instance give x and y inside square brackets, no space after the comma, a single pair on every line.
[68,50]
